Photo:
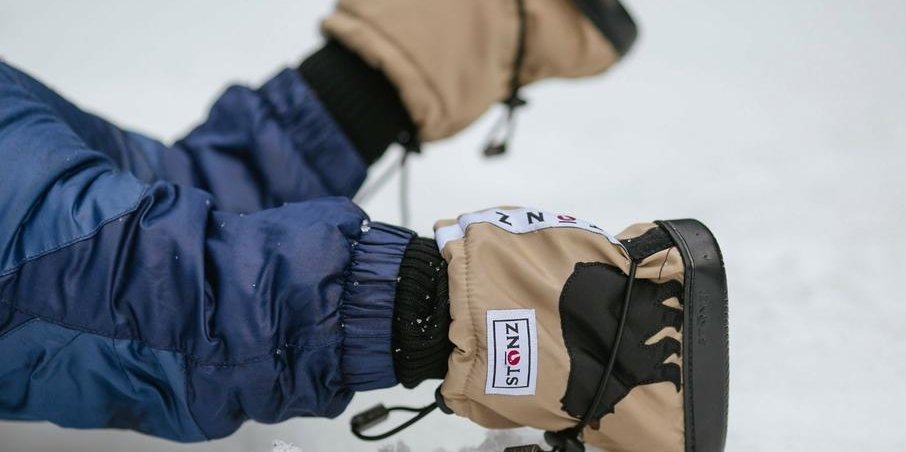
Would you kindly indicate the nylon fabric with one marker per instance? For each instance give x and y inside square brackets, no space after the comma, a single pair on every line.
[135,292]
[498,267]
[453,60]
[125,384]
[280,129]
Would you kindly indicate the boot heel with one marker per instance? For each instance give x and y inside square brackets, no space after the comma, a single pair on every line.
[705,336]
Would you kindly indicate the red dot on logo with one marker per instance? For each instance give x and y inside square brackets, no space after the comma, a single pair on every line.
[513,357]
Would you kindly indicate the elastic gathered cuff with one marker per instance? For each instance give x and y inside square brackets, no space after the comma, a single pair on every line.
[367,306]
[315,134]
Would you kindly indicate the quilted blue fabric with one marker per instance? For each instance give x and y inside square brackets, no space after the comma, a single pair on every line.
[182,290]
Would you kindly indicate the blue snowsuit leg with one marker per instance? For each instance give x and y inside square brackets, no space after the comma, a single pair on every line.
[180,291]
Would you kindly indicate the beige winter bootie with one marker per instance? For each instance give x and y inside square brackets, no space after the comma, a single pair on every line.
[540,319]
[452,59]
[619,342]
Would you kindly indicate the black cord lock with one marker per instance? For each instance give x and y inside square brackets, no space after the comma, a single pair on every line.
[378,414]
[502,132]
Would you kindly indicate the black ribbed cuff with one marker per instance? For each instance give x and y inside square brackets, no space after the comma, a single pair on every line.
[421,315]
[359,98]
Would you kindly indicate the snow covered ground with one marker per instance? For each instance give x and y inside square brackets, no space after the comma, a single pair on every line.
[778,123]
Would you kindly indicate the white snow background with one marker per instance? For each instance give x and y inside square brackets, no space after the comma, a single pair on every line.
[778,123]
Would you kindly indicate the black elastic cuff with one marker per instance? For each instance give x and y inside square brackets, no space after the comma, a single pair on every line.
[359,98]
[421,315]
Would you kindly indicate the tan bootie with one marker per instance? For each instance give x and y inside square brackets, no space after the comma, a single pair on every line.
[619,342]
[452,59]
[540,319]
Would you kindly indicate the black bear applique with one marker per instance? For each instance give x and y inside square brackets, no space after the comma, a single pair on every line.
[590,305]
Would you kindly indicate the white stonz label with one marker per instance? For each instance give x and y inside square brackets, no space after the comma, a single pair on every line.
[512,352]
[517,221]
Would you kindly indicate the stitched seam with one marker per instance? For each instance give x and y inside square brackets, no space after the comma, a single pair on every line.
[344,296]
[689,275]
[291,128]
[63,347]
[672,311]
[641,344]
[18,327]
[470,305]
[577,228]
[194,359]
[372,336]
[570,350]
[15,268]
[187,387]
[660,272]
[292,122]
[189,365]
[80,328]
[252,360]
[119,363]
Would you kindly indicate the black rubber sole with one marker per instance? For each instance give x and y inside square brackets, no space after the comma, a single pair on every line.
[705,336]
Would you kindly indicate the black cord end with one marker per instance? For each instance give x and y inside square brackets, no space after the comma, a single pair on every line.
[379,413]
[441,403]
[565,440]
[369,418]
[494,149]
[526,448]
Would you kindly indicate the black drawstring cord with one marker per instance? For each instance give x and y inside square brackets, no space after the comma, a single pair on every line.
[612,360]
[409,147]
[497,141]
[563,441]
[498,138]
[377,414]
[568,440]
[507,123]
[405,211]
